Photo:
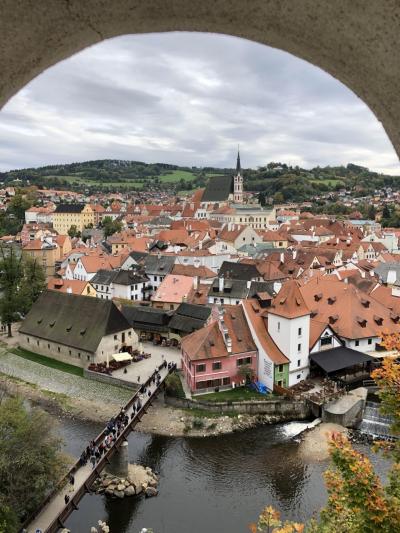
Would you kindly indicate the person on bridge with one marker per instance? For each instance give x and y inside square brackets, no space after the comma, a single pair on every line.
[72,480]
[93,461]
[66,499]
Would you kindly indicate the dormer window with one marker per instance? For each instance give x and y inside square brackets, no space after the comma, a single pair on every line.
[318,297]
[331,300]
[51,324]
[68,328]
[378,320]
[365,302]
[333,319]
[362,321]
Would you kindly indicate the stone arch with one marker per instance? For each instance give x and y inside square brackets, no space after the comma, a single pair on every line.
[357,42]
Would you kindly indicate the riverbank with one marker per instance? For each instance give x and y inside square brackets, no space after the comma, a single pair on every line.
[161,419]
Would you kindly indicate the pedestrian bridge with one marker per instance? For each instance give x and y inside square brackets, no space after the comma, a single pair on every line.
[52,513]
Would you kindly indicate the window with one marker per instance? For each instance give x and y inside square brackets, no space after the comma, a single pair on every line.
[116,347]
[129,333]
[58,349]
[79,355]
[298,376]
[215,300]
[299,332]
[279,326]
[217,365]
[27,339]
[243,361]
[357,343]
[226,381]
[369,341]
[326,341]
[48,346]
[69,351]
[201,368]
[298,362]
[280,368]
[299,347]
[115,337]
[37,342]
[88,357]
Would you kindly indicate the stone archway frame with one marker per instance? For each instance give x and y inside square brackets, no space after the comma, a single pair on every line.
[356,41]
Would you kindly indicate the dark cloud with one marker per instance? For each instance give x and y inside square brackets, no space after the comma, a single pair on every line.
[190,99]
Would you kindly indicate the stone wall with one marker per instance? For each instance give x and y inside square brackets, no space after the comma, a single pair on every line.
[286,409]
[105,378]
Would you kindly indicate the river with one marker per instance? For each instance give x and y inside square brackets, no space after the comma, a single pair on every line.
[217,484]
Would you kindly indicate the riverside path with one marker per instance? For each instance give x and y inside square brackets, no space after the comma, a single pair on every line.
[54,510]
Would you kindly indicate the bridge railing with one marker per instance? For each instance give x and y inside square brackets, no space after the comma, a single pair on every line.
[106,457]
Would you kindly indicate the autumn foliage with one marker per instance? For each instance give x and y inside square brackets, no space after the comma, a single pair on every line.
[358,500]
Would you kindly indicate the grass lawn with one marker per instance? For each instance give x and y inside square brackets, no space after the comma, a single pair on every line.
[331,182]
[177,175]
[235,395]
[47,361]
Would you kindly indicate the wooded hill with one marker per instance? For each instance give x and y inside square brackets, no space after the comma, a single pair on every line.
[277,180]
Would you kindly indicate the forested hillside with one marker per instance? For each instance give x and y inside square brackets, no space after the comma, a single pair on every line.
[275,180]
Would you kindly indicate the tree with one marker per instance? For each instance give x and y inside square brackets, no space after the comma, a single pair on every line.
[247,373]
[73,230]
[33,283]
[17,207]
[21,282]
[386,212]
[111,226]
[30,461]
[358,500]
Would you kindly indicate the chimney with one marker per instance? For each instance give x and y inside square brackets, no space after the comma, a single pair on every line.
[69,290]
[200,245]
[221,282]
[196,283]
[282,257]
[294,254]
[248,284]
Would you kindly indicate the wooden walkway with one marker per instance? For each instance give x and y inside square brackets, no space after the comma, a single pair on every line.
[51,515]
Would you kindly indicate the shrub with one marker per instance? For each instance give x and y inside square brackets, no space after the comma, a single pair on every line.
[173,386]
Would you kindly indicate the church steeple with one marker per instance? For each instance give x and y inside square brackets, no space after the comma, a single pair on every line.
[238,182]
[238,168]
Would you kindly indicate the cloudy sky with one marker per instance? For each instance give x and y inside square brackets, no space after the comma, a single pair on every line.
[189,99]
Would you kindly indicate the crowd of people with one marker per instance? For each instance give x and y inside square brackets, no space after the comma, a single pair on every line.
[116,425]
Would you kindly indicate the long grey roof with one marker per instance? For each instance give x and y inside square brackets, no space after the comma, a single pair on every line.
[159,265]
[76,321]
[69,208]
[383,270]
[218,189]
[242,271]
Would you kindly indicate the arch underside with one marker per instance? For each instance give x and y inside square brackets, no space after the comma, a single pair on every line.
[355,41]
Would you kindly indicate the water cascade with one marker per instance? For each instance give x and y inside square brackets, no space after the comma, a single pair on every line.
[374,422]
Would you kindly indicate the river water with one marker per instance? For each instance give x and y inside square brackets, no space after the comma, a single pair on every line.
[214,485]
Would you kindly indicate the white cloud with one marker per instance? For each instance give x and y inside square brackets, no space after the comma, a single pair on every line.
[189,99]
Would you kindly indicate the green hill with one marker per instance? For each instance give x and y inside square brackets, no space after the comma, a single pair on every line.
[275,180]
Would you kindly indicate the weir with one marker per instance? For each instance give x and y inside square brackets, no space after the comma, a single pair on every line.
[374,422]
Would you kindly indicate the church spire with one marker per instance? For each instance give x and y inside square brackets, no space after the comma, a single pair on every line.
[238,168]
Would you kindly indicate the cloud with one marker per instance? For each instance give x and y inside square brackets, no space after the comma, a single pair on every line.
[189,99]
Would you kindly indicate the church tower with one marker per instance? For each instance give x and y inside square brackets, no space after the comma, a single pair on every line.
[238,183]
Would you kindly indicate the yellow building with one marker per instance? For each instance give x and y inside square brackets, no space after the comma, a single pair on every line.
[67,215]
[47,251]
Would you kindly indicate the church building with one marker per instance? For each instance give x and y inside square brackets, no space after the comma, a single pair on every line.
[223,190]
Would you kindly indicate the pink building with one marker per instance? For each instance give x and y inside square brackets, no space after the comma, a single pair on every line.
[214,355]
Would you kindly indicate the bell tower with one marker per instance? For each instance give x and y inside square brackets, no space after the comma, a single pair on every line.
[238,182]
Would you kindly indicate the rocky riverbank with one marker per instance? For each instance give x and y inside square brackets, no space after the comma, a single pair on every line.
[140,480]
[161,419]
